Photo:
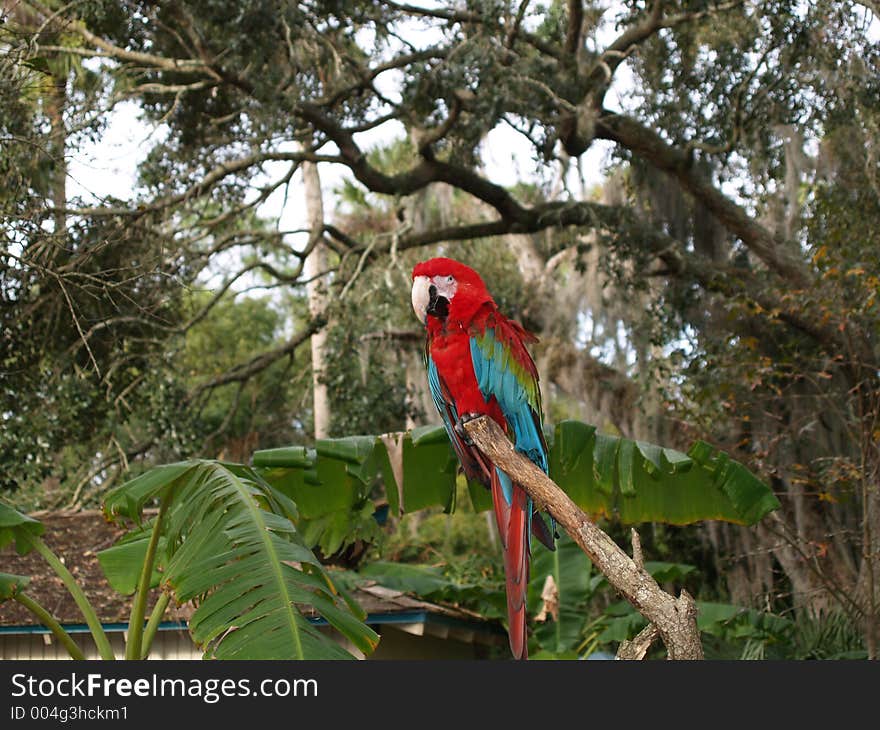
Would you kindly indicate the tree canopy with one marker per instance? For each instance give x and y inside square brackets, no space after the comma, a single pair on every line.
[720,283]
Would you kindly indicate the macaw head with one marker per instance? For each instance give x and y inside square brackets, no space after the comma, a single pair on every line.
[446,290]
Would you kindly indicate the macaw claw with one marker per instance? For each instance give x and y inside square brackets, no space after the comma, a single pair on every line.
[461,430]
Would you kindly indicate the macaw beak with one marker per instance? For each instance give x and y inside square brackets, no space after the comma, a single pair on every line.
[421,297]
[427,298]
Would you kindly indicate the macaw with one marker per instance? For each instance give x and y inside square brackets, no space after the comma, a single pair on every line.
[478,364]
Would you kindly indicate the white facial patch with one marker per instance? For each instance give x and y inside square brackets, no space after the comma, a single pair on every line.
[432,296]
[421,297]
[446,286]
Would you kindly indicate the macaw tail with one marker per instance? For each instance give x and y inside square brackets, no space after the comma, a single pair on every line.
[513,510]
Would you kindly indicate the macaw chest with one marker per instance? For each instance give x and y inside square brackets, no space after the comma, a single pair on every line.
[451,354]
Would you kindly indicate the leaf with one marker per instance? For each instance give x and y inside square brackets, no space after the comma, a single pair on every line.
[336,530]
[358,453]
[427,435]
[571,466]
[122,562]
[326,487]
[641,482]
[129,499]
[16,527]
[543,655]
[750,497]
[422,580]
[729,621]
[391,468]
[247,568]
[38,63]
[631,481]
[625,623]
[429,471]
[570,570]
[430,583]
[11,584]
[604,461]
[290,457]
[668,572]
[481,496]
[653,457]
[625,467]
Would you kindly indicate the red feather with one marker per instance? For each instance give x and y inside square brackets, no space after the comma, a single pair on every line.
[513,526]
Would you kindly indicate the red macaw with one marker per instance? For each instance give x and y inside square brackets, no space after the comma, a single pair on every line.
[478,364]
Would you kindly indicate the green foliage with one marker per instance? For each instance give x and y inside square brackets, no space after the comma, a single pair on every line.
[570,570]
[224,540]
[230,546]
[604,475]
[17,527]
[434,583]
[122,562]
[366,390]
[11,584]
[234,418]
[639,482]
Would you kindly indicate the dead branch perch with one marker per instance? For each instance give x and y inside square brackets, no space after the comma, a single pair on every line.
[675,619]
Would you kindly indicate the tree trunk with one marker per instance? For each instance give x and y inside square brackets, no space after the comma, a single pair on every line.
[315,265]
[56,102]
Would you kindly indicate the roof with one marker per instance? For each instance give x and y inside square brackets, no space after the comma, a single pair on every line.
[77,537]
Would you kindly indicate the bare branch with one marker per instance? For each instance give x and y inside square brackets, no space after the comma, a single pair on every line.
[514,29]
[638,647]
[473,18]
[638,558]
[575,26]
[122,54]
[258,364]
[674,618]
[219,173]
[627,42]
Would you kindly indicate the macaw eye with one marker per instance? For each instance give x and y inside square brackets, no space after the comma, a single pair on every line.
[450,279]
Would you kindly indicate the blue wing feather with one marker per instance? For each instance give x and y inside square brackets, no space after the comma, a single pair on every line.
[445,406]
[519,400]
[496,377]
[517,396]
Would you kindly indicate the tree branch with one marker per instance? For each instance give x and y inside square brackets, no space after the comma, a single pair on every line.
[574,29]
[638,647]
[145,59]
[244,371]
[776,253]
[473,18]
[673,618]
